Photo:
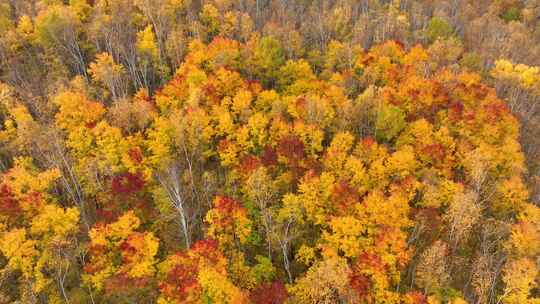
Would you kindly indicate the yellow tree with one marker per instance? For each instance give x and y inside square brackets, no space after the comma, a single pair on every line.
[109,74]
[38,237]
[120,255]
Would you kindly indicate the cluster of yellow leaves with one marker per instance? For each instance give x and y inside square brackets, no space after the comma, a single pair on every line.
[19,128]
[520,278]
[525,76]
[29,186]
[325,282]
[146,43]
[228,221]
[104,67]
[199,274]
[108,73]
[96,144]
[137,251]
[75,110]
[314,198]
[37,246]
[218,288]
[521,271]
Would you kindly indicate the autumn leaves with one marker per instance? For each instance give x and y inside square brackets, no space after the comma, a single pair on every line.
[220,187]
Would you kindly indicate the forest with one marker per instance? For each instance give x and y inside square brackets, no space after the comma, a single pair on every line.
[270,151]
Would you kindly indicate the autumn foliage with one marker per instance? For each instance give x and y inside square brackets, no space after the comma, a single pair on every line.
[259,174]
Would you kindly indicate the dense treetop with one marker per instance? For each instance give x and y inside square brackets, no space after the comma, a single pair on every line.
[269,152]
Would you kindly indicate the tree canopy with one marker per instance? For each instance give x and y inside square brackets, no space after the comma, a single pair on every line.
[219,152]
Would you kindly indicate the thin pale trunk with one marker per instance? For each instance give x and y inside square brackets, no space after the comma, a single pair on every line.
[76,193]
[172,187]
[61,281]
[284,243]
[286,264]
